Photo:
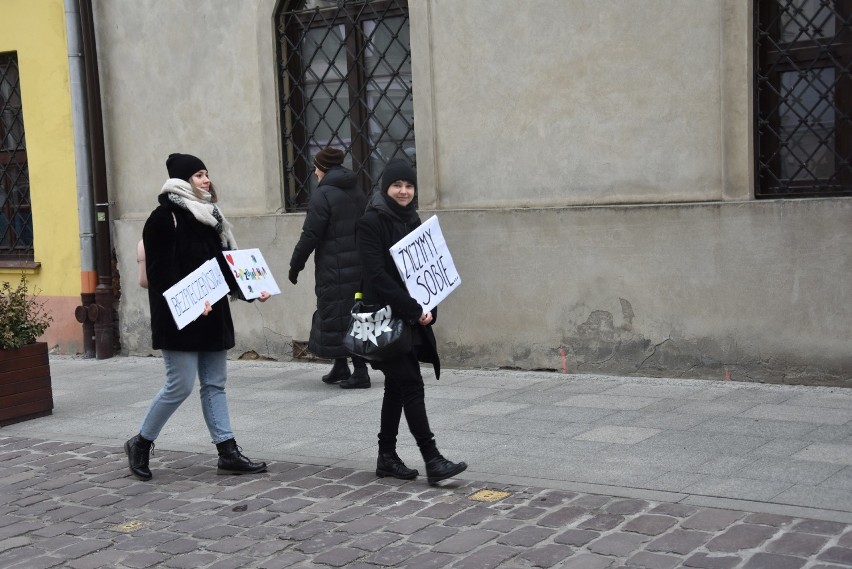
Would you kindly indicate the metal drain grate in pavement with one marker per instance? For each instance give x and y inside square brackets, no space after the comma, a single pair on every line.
[130,526]
[487,495]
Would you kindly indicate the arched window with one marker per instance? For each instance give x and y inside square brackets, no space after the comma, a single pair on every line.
[344,81]
[803,97]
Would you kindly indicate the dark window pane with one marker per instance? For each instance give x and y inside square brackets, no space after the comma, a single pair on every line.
[807,124]
[16,225]
[805,19]
[389,91]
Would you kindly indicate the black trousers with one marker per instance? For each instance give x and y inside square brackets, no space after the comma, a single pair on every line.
[404,392]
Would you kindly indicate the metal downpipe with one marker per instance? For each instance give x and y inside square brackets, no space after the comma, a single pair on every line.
[83,161]
[103,312]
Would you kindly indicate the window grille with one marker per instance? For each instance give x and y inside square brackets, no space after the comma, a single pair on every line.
[345,81]
[16,222]
[803,96]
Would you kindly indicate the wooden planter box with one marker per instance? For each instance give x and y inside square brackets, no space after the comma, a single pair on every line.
[25,391]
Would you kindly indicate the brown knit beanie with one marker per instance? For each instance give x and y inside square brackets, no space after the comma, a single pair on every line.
[328,157]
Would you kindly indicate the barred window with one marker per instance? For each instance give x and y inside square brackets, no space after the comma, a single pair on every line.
[16,221]
[344,81]
[803,97]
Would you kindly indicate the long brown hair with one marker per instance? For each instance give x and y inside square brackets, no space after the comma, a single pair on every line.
[214,197]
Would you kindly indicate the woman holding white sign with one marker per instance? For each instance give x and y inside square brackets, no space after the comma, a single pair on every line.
[390,216]
[184,232]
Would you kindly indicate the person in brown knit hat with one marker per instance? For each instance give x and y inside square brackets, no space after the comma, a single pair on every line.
[329,232]
[327,158]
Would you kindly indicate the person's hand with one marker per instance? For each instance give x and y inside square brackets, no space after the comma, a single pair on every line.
[293,275]
[264,296]
[207,308]
[425,319]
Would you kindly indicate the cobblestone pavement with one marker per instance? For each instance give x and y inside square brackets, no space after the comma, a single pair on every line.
[71,504]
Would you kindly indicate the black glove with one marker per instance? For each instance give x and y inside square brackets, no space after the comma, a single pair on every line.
[293,275]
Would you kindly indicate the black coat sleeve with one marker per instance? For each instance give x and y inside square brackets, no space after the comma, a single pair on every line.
[159,237]
[313,230]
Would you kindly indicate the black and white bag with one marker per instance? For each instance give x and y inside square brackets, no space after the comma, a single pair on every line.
[375,334]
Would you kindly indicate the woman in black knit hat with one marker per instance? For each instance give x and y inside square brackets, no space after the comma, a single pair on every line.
[390,216]
[186,230]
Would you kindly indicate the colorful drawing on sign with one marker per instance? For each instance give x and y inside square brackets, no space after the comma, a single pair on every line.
[251,272]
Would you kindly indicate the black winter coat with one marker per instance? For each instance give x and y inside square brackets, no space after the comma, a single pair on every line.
[378,230]
[174,247]
[329,231]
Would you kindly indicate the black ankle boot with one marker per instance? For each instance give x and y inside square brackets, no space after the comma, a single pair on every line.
[439,468]
[359,379]
[389,464]
[339,372]
[137,450]
[233,461]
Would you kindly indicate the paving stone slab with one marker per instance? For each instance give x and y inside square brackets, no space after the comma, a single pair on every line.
[741,536]
[646,560]
[797,544]
[774,561]
[839,555]
[704,561]
[617,544]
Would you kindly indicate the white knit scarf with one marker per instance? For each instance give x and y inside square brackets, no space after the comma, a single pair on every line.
[203,209]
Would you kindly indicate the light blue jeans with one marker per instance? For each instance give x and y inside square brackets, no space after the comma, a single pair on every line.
[181,370]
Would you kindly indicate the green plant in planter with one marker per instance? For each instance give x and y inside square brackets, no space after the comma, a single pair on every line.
[22,317]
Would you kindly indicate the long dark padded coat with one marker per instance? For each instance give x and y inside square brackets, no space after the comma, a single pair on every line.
[329,233]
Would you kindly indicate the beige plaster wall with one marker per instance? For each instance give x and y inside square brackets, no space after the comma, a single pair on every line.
[197,77]
[672,290]
[548,102]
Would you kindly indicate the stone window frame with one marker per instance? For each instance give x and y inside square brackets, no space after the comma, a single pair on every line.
[375,89]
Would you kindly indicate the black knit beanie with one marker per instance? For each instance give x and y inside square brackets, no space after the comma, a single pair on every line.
[326,158]
[398,169]
[183,166]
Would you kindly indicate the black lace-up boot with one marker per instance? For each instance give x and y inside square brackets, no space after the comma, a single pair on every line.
[339,372]
[233,461]
[389,464]
[439,468]
[138,450]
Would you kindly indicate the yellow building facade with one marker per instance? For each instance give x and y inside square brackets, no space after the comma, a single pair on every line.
[35,33]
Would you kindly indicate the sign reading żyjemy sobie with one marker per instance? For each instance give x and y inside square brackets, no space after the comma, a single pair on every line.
[425,263]
[186,298]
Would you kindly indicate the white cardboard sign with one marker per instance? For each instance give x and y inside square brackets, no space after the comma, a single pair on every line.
[251,272]
[425,263]
[186,298]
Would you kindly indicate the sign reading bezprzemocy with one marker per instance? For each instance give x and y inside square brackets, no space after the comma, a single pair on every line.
[186,298]
[425,263]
